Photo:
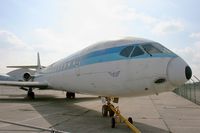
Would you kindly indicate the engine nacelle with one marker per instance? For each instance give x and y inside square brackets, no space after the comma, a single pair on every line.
[27,76]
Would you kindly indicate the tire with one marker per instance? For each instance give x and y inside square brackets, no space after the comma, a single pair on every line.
[67,95]
[31,95]
[111,112]
[104,110]
[113,122]
[130,120]
[73,95]
[70,95]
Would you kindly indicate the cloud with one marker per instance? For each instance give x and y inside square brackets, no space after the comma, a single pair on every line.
[191,54]
[79,24]
[87,22]
[84,23]
[195,35]
[9,39]
[13,51]
[168,27]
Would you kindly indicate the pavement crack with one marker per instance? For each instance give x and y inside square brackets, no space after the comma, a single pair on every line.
[69,119]
[152,100]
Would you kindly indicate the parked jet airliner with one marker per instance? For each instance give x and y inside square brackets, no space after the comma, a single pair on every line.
[111,69]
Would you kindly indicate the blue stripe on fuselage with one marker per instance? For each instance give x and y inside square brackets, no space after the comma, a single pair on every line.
[100,56]
[113,54]
[116,56]
[103,52]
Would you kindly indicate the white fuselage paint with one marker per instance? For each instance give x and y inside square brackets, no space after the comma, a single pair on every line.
[120,78]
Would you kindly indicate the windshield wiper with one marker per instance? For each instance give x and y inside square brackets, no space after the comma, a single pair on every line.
[147,51]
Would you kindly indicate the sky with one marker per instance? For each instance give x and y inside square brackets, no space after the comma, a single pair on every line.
[57,28]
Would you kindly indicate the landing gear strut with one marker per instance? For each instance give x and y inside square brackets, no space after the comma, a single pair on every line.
[114,112]
[70,95]
[30,94]
[106,108]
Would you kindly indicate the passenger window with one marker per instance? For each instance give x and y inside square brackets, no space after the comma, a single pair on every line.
[68,65]
[126,51]
[74,63]
[77,62]
[136,52]
[151,49]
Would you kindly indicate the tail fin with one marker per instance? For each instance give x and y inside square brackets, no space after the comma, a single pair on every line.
[37,67]
[38,62]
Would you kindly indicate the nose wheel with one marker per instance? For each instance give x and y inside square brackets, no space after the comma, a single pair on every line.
[116,117]
[106,110]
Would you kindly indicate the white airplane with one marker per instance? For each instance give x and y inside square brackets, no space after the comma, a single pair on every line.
[111,69]
[5,77]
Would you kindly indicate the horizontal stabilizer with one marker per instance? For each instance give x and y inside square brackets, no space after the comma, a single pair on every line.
[25,67]
[24,84]
[37,67]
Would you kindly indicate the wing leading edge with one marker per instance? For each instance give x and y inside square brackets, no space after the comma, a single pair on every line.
[41,85]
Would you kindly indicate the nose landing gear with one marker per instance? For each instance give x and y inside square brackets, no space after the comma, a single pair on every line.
[114,112]
[107,110]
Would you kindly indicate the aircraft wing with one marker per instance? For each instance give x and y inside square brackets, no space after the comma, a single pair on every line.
[42,85]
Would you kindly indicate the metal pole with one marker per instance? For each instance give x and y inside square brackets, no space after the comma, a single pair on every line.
[193,84]
[196,78]
[198,84]
[33,127]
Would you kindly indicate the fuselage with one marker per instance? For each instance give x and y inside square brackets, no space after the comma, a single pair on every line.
[120,68]
[5,77]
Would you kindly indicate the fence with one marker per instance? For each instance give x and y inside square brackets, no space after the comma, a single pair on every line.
[190,91]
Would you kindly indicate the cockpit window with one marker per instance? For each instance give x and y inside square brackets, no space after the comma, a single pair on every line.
[162,48]
[126,51]
[149,48]
[136,52]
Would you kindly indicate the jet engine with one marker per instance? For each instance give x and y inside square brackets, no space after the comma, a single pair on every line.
[27,76]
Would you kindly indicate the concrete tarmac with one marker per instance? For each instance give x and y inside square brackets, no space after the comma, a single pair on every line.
[164,113]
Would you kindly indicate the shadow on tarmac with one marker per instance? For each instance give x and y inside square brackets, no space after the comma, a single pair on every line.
[69,115]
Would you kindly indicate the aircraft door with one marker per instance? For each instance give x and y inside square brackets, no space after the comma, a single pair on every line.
[77,67]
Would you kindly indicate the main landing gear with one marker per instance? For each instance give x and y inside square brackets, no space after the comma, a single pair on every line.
[113,112]
[70,95]
[30,94]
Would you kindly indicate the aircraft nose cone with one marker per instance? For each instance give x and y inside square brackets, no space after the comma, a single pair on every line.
[178,71]
[188,72]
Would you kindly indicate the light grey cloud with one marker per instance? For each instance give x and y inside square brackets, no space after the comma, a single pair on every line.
[8,40]
[195,35]
[191,54]
[13,50]
[167,27]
